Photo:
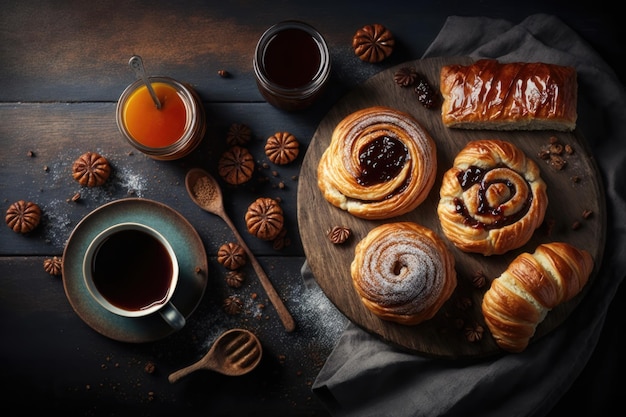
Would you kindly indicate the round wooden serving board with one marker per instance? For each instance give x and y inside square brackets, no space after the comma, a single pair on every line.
[444,335]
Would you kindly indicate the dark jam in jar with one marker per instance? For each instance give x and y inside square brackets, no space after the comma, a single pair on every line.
[292,58]
[291,65]
[381,160]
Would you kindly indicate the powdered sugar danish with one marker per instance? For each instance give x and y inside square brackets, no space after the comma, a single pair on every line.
[492,199]
[403,272]
[380,164]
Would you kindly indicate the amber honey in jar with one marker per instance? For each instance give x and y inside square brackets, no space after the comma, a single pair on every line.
[172,131]
[291,65]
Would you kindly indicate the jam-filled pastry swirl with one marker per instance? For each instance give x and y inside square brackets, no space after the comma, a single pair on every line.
[492,199]
[380,164]
[403,272]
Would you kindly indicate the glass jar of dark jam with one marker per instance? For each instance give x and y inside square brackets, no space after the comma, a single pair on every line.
[291,65]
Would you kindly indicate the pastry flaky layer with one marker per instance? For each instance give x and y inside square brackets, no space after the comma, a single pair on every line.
[532,285]
[380,164]
[492,199]
[403,272]
[508,96]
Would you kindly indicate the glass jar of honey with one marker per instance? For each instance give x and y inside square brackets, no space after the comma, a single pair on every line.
[168,133]
[291,65]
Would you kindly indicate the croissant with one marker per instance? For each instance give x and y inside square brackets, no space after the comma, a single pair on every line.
[492,199]
[533,284]
[492,95]
[403,272]
[380,164]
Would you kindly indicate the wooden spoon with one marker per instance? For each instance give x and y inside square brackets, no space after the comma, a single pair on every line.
[235,352]
[206,193]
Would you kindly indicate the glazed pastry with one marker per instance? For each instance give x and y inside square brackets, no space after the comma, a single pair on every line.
[380,164]
[532,285]
[492,95]
[403,272]
[492,199]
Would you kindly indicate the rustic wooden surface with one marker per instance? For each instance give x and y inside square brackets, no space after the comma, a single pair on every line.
[440,336]
[63,66]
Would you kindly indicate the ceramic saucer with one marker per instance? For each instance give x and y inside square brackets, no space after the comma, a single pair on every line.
[186,243]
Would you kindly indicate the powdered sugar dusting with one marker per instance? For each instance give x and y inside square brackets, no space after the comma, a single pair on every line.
[400,269]
[58,217]
[133,182]
[57,222]
[316,315]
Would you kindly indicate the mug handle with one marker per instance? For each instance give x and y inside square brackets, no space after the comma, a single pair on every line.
[172,316]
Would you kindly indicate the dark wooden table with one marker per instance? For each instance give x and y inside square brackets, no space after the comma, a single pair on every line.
[63,66]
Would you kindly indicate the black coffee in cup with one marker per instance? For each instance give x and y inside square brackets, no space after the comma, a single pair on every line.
[132,270]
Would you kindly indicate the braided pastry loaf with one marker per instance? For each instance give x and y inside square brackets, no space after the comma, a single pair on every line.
[506,96]
[532,285]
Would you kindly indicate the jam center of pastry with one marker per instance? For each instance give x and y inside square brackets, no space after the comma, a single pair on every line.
[381,160]
[493,198]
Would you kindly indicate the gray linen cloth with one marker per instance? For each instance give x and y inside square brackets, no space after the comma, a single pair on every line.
[364,376]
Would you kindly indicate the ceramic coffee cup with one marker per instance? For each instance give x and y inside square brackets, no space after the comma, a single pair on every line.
[132,271]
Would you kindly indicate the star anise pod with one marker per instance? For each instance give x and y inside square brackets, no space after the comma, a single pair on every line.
[238,134]
[264,218]
[236,165]
[233,305]
[474,333]
[91,169]
[23,216]
[234,279]
[53,266]
[232,255]
[405,76]
[479,280]
[339,234]
[282,148]
[373,43]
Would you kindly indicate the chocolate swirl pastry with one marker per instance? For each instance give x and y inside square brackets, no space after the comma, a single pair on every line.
[492,199]
[403,272]
[380,164]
